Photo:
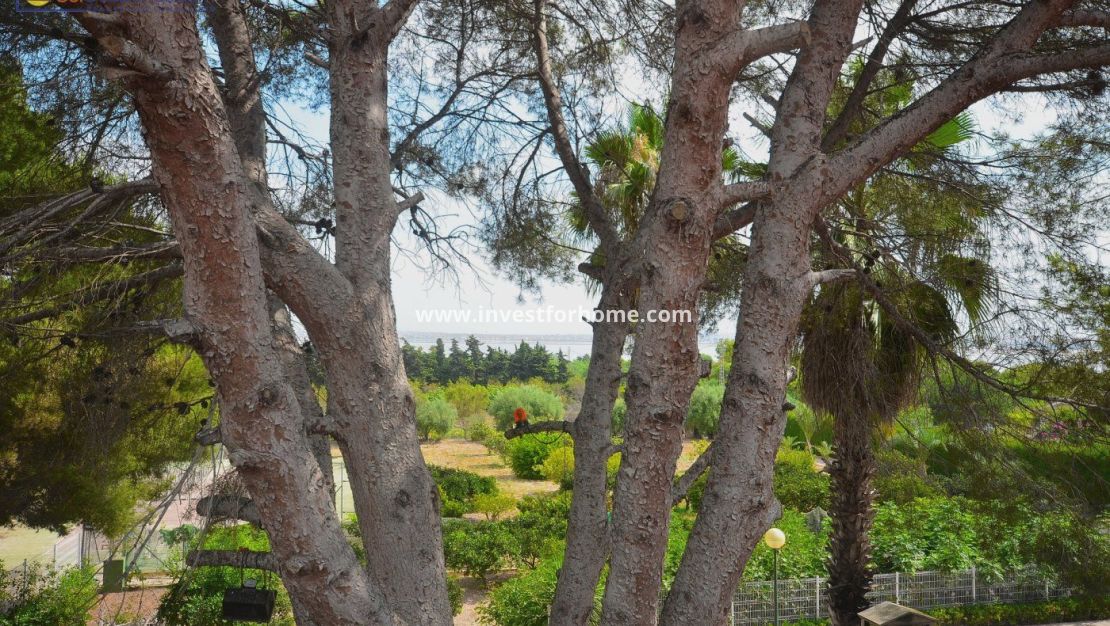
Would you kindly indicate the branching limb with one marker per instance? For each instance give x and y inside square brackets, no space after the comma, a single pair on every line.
[410,201]
[828,276]
[595,212]
[1007,60]
[1082,17]
[231,558]
[229,507]
[559,426]
[394,15]
[746,46]
[733,220]
[683,483]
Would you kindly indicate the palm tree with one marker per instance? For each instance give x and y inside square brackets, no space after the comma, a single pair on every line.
[857,363]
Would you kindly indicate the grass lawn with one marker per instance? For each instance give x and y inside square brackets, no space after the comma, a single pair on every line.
[20,542]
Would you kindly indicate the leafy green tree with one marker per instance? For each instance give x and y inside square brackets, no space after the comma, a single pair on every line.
[705,408]
[434,417]
[541,405]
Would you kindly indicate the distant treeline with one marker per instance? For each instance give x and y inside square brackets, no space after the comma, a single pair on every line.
[440,364]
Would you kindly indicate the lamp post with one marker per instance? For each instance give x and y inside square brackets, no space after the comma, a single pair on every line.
[775,540]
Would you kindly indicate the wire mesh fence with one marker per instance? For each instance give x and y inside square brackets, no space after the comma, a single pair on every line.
[807,598]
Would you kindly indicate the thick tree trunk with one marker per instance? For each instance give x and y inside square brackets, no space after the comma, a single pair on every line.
[739,505]
[674,241]
[851,512]
[395,498]
[206,192]
[588,528]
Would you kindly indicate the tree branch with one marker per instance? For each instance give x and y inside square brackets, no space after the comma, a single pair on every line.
[394,15]
[229,507]
[745,46]
[558,426]
[1081,17]
[595,212]
[732,221]
[1007,60]
[828,276]
[231,558]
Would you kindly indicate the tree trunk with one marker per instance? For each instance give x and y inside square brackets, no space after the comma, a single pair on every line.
[395,498]
[588,527]
[673,241]
[207,195]
[738,504]
[851,511]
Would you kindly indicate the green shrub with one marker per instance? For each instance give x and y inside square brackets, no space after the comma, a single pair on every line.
[798,485]
[44,597]
[541,527]
[540,405]
[493,505]
[458,489]
[559,467]
[705,408]
[435,416]
[1062,610]
[455,595]
[803,555]
[480,431]
[620,410]
[525,600]
[460,484]
[526,454]
[478,548]
[468,399]
[901,478]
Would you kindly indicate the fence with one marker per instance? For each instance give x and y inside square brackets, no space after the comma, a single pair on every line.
[807,598]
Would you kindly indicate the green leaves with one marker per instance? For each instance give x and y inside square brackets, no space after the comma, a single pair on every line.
[955,131]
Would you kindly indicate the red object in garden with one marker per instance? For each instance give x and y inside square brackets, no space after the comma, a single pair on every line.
[520,417]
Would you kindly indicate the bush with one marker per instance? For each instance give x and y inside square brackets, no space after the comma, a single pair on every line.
[434,417]
[468,399]
[540,527]
[803,555]
[541,405]
[481,431]
[492,505]
[527,454]
[52,598]
[523,600]
[459,488]
[705,408]
[478,548]
[798,485]
[455,595]
[620,410]
[559,467]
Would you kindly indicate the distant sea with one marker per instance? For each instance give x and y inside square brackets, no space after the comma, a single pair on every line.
[572,345]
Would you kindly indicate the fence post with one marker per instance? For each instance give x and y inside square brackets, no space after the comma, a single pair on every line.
[897,588]
[816,597]
[974,591]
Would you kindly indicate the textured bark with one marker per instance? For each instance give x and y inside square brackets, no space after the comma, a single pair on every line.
[738,504]
[395,498]
[851,512]
[674,240]
[207,195]
[588,526]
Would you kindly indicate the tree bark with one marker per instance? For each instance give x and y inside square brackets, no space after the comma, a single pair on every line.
[588,525]
[395,498]
[672,247]
[207,195]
